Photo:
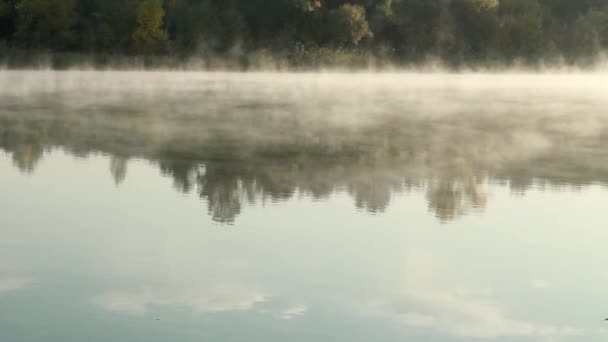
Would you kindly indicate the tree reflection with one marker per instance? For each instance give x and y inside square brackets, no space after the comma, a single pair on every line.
[27,156]
[221,185]
[449,199]
[294,149]
[118,168]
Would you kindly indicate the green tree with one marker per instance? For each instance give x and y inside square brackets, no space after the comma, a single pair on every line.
[7,19]
[587,38]
[304,31]
[235,32]
[45,23]
[305,5]
[521,31]
[150,36]
[194,24]
[416,26]
[106,25]
[348,25]
[475,27]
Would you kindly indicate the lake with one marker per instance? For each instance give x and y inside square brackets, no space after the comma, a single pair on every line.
[179,206]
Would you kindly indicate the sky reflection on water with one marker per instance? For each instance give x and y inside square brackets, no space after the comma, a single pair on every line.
[269,234]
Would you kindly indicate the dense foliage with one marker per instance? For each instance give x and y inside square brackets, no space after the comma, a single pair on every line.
[312,32]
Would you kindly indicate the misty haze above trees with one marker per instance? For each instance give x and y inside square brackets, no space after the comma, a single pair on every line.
[312,32]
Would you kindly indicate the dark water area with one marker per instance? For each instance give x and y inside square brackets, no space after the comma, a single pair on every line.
[333,207]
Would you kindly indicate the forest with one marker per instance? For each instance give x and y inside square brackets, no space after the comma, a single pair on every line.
[305,33]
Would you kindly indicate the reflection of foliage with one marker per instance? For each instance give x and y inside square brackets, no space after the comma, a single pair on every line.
[369,149]
[27,156]
[449,200]
[118,168]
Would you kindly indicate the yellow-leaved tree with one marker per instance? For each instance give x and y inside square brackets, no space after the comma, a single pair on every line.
[150,36]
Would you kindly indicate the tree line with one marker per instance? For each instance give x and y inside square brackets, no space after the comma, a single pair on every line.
[313,32]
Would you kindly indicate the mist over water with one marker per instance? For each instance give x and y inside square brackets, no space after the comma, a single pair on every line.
[195,206]
[237,139]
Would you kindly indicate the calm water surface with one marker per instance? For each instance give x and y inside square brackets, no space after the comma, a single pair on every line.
[300,207]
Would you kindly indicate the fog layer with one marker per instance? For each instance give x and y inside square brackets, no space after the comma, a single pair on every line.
[240,138]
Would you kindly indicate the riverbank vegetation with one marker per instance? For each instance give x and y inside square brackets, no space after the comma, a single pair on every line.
[255,34]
